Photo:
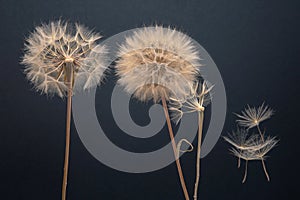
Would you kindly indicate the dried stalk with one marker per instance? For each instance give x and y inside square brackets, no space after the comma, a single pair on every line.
[69,83]
[200,130]
[179,169]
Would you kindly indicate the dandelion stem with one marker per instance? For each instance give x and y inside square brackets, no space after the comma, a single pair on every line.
[200,128]
[262,160]
[260,133]
[69,81]
[181,177]
[246,171]
[239,162]
[265,169]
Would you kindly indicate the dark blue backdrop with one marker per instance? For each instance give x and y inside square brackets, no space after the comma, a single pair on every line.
[255,44]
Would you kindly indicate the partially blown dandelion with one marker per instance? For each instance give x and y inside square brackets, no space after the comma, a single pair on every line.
[158,63]
[195,102]
[60,58]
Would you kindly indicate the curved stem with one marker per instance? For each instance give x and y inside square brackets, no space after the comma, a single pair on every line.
[262,160]
[69,81]
[260,133]
[265,169]
[246,171]
[200,128]
[179,169]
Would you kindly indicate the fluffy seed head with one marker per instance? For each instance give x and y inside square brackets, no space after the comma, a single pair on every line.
[157,62]
[54,49]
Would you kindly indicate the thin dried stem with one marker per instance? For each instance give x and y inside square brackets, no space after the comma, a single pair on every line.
[179,147]
[246,171]
[200,128]
[265,169]
[262,160]
[69,81]
[179,169]
[260,133]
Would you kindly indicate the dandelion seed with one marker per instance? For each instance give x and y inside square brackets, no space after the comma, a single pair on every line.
[255,146]
[257,150]
[252,117]
[242,140]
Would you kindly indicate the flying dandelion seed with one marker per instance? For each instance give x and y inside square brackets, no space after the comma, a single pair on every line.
[245,142]
[257,149]
[241,140]
[252,117]
[156,64]
[60,58]
[252,147]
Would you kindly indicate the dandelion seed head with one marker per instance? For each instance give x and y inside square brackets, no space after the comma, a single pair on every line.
[53,46]
[157,62]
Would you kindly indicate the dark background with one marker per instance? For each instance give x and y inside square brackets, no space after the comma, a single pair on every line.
[256,46]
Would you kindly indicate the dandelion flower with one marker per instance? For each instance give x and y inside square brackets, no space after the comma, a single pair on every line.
[156,63]
[60,58]
[252,117]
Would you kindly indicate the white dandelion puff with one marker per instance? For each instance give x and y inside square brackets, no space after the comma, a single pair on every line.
[60,58]
[157,62]
[53,48]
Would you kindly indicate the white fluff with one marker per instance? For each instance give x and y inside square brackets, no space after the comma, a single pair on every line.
[51,46]
[157,62]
